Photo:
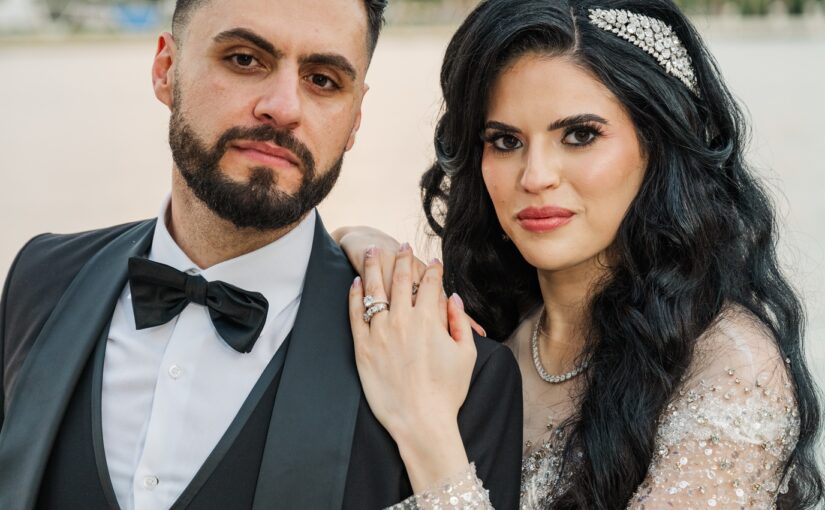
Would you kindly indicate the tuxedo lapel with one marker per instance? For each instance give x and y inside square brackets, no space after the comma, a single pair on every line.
[310,435]
[54,364]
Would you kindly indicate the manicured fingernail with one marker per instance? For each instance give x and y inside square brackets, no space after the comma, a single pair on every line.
[357,282]
[457,300]
[435,261]
[371,251]
[404,248]
[483,332]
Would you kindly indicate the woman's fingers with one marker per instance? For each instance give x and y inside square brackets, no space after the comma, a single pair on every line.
[360,329]
[418,268]
[430,286]
[459,321]
[431,291]
[401,293]
[374,281]
[477,327]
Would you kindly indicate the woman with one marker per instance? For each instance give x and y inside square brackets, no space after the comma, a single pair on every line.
[596,210]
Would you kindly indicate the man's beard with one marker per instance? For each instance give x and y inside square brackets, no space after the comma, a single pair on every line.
[258,203]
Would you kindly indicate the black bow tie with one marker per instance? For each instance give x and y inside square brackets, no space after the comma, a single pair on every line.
[161,292]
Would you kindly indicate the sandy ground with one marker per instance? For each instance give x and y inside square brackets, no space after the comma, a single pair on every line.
[83,140]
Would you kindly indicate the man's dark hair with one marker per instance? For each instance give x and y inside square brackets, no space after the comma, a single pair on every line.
[375,17]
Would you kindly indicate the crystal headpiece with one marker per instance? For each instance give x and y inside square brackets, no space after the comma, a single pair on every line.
[652,36]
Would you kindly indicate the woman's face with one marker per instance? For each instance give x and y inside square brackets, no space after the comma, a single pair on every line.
[561,161]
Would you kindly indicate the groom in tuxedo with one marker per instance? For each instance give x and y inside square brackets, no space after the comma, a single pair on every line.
[203,359]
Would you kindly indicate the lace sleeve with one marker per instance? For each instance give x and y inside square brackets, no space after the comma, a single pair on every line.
[463,491]
[724,442]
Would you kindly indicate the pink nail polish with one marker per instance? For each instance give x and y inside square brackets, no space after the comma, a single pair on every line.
[357,282]
[457,300]
[405,248]
[435,261]
[370,251]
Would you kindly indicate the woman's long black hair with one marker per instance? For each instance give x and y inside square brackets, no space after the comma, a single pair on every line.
[699,236]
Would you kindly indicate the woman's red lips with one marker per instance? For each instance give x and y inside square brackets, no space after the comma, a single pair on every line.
[544,219]
[267,153]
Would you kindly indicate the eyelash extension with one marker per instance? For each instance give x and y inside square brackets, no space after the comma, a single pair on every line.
[592,128]
[491,138]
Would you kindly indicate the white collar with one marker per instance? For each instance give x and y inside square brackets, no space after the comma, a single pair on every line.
[276,270]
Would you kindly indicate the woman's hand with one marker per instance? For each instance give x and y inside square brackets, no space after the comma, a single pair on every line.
[415,362]
[355,241]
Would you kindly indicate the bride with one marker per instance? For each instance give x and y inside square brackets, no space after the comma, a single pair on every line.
[595,209]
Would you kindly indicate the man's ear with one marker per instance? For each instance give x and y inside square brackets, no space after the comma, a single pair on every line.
[162,69]
[357,124]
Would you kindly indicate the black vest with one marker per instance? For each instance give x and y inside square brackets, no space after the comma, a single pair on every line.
[76,475]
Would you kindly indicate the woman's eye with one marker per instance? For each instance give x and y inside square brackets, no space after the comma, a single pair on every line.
[323,81]
[506,143]
[580,136]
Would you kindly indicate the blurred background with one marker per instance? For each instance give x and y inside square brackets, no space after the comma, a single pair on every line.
[83,139]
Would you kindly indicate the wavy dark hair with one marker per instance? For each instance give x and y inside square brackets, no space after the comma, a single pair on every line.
[699,236]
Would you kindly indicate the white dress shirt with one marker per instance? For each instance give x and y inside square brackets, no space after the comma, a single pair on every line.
[170,392]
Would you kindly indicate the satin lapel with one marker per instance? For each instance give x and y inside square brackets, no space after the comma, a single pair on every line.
[310,435]
[51,370]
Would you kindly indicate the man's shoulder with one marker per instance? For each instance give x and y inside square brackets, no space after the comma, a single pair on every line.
[491,354]
[48,263]
[62,250]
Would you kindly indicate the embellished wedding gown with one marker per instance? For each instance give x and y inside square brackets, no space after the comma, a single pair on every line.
[722,442]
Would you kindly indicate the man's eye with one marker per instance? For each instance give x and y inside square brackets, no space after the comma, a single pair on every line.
[243,60]
[322,81]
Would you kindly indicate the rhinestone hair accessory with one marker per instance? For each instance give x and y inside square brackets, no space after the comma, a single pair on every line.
[652,36]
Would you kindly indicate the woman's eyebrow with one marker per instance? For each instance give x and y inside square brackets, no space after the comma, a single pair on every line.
[493,124]
[575,120]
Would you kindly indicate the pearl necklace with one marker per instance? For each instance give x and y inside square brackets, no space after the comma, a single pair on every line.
[552,379]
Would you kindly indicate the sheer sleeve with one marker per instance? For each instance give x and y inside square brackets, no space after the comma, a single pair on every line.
[724,442]
[463,491]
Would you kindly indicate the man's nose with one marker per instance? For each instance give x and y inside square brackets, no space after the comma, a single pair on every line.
[542,170]
[280,102]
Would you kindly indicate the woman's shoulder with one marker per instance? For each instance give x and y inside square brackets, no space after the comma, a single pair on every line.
[729,430]
[738,346]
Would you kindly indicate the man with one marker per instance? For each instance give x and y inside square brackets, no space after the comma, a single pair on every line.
[204,360]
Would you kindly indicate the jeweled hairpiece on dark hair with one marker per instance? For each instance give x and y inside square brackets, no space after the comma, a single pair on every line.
[653,36]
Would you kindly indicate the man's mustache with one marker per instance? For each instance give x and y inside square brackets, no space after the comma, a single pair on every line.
[280,137]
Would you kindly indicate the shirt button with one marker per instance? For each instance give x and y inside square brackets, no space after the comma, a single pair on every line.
[175,371]
[150,482]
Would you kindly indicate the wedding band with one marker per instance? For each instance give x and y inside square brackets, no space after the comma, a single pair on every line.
[415,288]
[375,309]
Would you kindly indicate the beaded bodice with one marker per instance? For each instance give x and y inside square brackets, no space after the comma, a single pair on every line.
[722,442]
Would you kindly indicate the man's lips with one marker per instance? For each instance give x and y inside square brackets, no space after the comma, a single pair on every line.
[267,153]
[544,219]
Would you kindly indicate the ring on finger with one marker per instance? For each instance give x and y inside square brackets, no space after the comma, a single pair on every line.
[370,300]
[375,309]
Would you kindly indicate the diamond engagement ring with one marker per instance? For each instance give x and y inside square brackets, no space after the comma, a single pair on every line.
[370,300]
[375,309]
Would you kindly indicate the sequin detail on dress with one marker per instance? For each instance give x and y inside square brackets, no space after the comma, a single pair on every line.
[462,491]
[722,443]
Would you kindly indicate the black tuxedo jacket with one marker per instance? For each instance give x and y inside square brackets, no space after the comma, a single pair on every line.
[324,449]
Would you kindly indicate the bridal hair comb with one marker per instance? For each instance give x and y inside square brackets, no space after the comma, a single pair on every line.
[652,36]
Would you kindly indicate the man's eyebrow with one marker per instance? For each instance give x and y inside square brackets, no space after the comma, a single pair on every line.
[245,34]
[330,59]
[575,120]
